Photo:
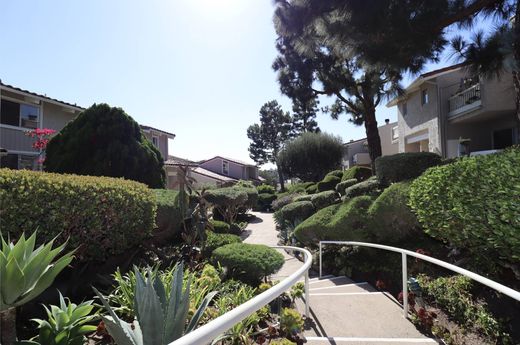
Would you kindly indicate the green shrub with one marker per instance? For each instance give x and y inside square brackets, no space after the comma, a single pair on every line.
[369,187]
[252,194]
[281,201]
[102,216]
[305,197]
[328,183]
[342,222]
[404,166]
[340,187]
[473,204]
[391,219]
[311,189]
[105,141]
[265,189]
[296,211]
[324,199]
[291,322]
[169,216]
[248,262]
[265,200]
[227,201]
[219,226]
[360,173]
[215,241]
[337,173]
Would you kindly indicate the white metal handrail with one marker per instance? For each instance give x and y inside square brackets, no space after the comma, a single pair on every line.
[214,328]
[404,252]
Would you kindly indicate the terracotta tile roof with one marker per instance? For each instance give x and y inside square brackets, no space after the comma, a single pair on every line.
[172,160]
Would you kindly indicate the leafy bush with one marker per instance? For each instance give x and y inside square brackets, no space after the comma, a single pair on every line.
[219,227]
[342,222]
[283,341]
[313,188]
[101,216]
[252,194]
[305,197]
[291,322]
[227,201]
[248,262]
[265,189]
[105,141]
[404,166]
[296,211]
[369,187]
[360,173]
[391,219]
[311,155]
[265,200]
[340,187]
[169,215]
[328,183]
[297,187]
[473,204]
[214,241]
[324,199]
[337,173]
[281,201]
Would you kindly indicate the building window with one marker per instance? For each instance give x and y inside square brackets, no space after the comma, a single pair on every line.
[424,97]
[395,133]
[17,161]
[155,141]
[503,138]
[225,167]
[405,109]
[18,114]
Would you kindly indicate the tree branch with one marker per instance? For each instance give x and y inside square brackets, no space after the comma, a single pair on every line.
[473,9]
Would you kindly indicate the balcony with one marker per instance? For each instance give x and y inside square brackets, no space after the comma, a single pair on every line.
[465,101]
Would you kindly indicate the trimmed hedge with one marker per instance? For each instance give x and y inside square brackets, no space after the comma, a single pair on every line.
[329,182]
[248,262]
[169,216]
[342,222]
[474,204]
[340,187]
[337,173]
[391,219]
[101,216]
[252,194]
[214,241]
[311,189]
[296,211]
[265,189]
[360,173]
[369,187]
[404,166]
[306,197]
[265,200]
[227,201]
[282,201]
[219,226]
[324,199]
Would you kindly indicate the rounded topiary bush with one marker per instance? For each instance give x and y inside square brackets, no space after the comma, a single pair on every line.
[340,187]
[329,182]
[306,197]
[342,222]
[214,241]
[391,219]
[404,166]
[169,216]
[265,189]
[337,173]
[360,173]
[284,200]
[265,200]
[311,189]
[369,187]
[248,262]
[324,199]
[219,226]
[297,211]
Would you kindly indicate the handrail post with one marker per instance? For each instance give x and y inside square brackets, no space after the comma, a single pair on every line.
[307,314]
[405,286]
[320,261]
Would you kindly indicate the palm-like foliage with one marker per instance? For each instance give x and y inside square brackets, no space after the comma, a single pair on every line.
[160,317]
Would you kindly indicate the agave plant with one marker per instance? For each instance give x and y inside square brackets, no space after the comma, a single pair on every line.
[160,318]
[24,274]
[66,324]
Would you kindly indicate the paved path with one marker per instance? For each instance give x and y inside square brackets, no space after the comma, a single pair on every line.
[342,311]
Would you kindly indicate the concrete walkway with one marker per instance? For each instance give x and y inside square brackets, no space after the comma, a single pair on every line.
[342,311]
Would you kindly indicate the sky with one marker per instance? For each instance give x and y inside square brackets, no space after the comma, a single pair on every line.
[198,68]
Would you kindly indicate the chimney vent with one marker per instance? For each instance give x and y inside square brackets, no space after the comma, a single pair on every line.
[387,121]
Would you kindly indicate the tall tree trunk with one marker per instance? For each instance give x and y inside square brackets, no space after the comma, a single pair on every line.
[280,177]
[373,139]
[516,53]
[8,326]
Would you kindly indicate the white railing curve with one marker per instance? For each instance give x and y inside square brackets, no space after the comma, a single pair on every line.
[404,252]
[206,333]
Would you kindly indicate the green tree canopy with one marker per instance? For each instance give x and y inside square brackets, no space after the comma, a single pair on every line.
[105,141]
[311,156]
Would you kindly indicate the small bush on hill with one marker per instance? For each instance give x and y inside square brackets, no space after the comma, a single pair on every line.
[252,195]
[340,187]
[328,183]
[324,199]
[265,200]
[337,173]
[360,173]
[473,204]
[296,211]
[283,200]
[214,241]
[169,216]
[391,219]
[265,189]
[342,222]
[227,201]
[311,189]
[101,216]
[297,187]
[303,198]
[404,166]
[368,187]
[248,262]
[219,226]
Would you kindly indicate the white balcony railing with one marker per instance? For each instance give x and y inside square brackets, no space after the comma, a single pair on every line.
[465,100]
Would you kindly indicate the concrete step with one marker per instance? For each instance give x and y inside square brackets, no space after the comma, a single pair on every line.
[368,341]
[344,288]
[333,281]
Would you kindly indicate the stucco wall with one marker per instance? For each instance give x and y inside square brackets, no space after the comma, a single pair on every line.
[163,143]
[236,171]
[388,145]
[56,117]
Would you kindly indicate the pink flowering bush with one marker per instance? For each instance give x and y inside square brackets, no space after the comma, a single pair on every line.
[42,136]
